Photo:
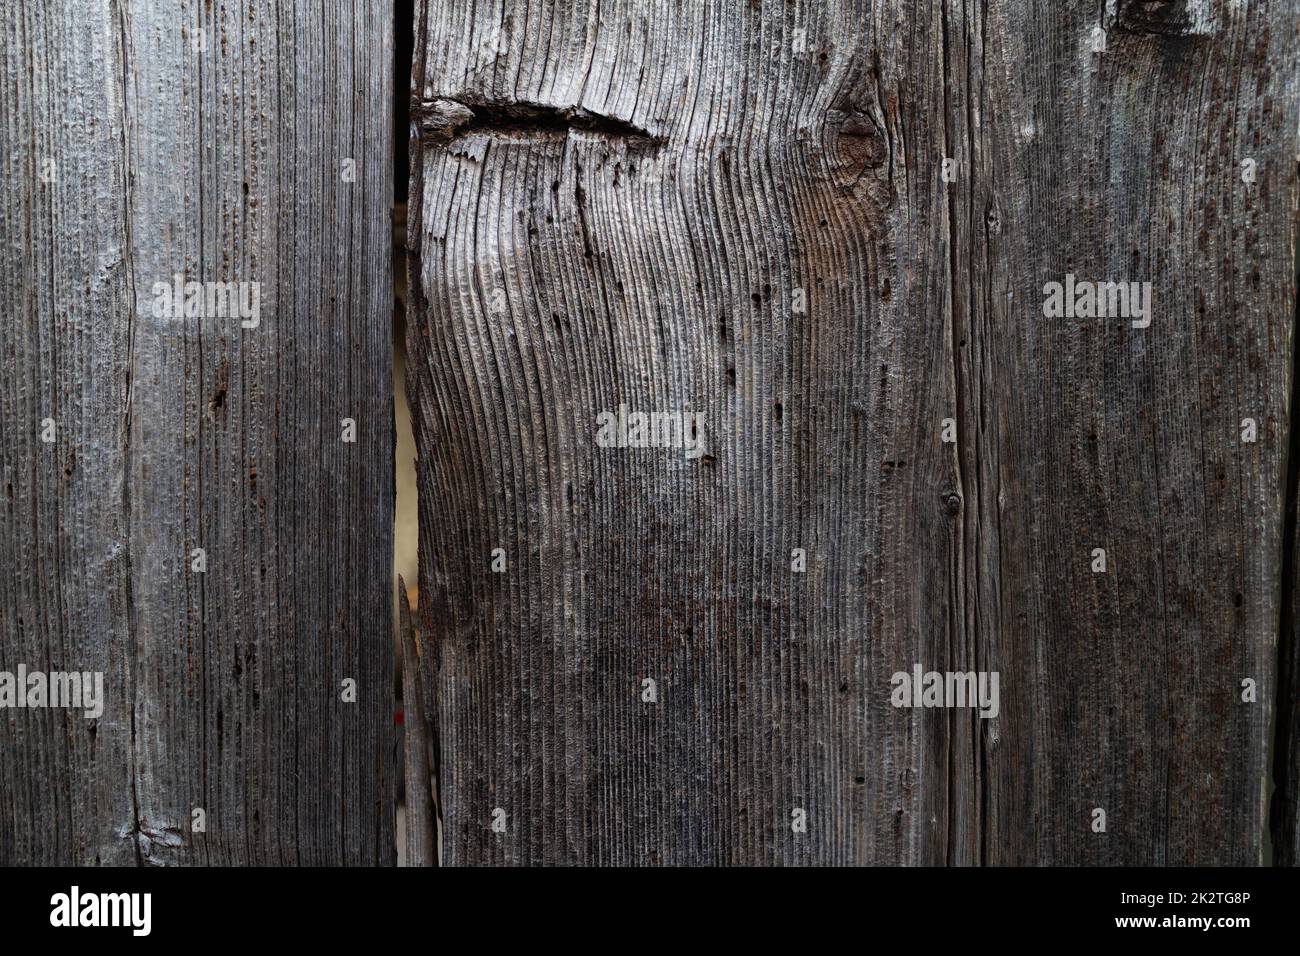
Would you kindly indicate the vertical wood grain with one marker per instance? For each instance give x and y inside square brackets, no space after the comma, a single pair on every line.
[206,141]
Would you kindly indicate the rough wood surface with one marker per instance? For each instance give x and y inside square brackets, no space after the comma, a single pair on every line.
[622,204]
[421,816]
[207,141]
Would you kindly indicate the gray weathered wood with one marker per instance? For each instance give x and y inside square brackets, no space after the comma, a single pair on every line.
[1124,690]
[207,141]
[619,203]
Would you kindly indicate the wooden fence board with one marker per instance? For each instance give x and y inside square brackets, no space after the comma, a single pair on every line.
[248,142]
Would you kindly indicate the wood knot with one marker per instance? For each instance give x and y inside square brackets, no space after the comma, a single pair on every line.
[859,141]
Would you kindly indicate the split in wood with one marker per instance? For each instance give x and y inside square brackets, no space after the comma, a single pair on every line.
[444,120]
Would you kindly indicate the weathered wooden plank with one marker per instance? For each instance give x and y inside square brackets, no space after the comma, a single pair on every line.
[240,143]
[652,255]
[742,211]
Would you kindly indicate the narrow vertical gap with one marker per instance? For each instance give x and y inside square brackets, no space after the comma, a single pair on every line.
[406,510]
[1282,827]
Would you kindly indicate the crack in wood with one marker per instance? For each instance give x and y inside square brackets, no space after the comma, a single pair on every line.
[446,119]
